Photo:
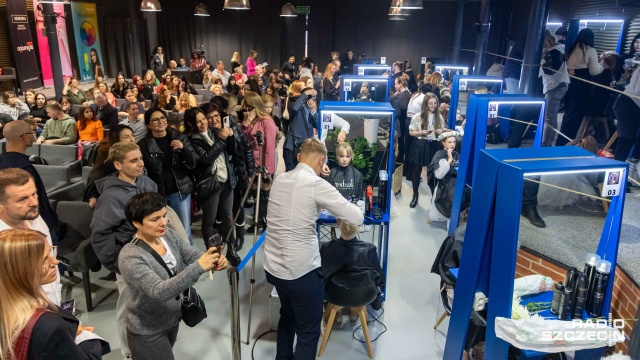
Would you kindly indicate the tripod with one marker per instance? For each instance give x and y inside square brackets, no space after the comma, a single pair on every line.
[260,171]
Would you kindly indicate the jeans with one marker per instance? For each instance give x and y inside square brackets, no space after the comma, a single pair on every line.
[553,98]
[124,296]
[512,85]
[182,207]
[218,204]
[154,347]
[290,161]
[300,314]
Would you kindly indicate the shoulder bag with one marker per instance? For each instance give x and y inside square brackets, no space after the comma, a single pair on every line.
[21,346]
[193,310]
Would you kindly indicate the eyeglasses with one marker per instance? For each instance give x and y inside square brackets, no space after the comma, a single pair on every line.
[157,120]
[32,133]
[249,108]
[211,117]
[53,254]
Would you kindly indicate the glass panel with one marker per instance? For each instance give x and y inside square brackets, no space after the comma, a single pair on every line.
[449,71]
[570,223]
[514,125]
[468,87]
[367,91]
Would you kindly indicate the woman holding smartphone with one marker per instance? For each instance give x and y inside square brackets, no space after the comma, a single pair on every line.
[154,312]
[425,127]
[214,173]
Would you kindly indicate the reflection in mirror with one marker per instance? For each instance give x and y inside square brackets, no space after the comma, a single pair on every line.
[367,91]
[449,71]
[514,125]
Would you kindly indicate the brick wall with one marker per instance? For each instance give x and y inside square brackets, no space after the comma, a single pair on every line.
[626,293]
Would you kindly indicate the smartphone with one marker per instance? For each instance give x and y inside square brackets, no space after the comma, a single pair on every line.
[216,241]
[225,122]
[69,305]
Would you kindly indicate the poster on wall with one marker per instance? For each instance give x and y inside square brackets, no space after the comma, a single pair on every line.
[43,43]
[85,29]
[23,50]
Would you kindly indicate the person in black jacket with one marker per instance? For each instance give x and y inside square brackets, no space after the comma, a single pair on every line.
[289,68]
[513,67]
[330,87]
[347,63]
[214,174]
[400,102]
[158,61]
[244,166]
[38,110]
[42,331]
[20,137]
[104,111]
[168,158]
[351,263]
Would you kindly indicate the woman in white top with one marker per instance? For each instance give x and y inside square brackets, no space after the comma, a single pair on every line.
[555,81]
[582,62]
[425,127]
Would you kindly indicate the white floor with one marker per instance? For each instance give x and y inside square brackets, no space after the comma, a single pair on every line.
[410,311]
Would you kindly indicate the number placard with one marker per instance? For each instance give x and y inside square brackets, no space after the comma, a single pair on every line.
[463,85]
[612,180]
[493,110]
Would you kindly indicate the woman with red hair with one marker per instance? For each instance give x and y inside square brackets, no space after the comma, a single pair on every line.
[144,89]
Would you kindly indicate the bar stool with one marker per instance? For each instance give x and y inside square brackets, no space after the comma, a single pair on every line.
[356,298]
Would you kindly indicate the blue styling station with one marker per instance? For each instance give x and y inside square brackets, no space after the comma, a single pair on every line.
[479,110]
[488,262]
[371,69]
[378,87]
[358,114]
[465,85]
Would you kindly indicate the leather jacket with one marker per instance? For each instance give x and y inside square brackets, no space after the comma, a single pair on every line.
[184,161]
[207,154]
[350,264]
[243,158]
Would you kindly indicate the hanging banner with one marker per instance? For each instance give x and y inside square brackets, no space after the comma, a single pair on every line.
[23,51]
[85,29]
[43,43]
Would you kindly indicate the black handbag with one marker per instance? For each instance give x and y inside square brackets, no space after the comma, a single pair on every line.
[193,309]
[206,186]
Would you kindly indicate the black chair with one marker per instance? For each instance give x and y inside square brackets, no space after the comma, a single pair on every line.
[357,298]
[75,249]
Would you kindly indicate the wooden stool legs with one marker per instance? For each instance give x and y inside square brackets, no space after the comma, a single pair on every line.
[331,311]
[440,320]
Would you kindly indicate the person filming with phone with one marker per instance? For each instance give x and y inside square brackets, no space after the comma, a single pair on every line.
[292,256]
[158,267]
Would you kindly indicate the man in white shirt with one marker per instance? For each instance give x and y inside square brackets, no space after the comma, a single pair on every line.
[134,121]
[19,210]
[292,255]
[220,71]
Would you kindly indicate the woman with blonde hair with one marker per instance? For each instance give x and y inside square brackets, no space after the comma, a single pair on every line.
[331,90]
[183,102]
[150,78]
[235,60]
[31,326]
[257,119]
[435,79]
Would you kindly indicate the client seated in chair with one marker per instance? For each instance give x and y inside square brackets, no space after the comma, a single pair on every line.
[349,264]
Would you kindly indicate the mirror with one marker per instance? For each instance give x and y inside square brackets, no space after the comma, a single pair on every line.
[366,90]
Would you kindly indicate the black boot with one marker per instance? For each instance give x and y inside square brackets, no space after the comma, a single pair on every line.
[531,213]
[261,226]
[232,256]
[414,201]
[239,237]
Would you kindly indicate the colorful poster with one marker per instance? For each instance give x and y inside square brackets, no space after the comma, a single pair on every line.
[85,28]
[43,43]
[23,50]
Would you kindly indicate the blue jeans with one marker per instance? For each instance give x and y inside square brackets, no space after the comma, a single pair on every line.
[300,314]
[554,98]
[182,207]
[512,85]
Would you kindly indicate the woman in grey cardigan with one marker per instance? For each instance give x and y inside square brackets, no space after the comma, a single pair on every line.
[154,312]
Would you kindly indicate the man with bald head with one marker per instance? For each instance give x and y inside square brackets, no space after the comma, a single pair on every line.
[20,136]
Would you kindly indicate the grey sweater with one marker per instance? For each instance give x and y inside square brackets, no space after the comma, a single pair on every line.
[153,307]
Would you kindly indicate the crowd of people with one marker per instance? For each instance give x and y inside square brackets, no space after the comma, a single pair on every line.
[163,151]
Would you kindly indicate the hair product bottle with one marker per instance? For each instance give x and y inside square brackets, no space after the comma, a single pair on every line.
[557,296]
[603,268]
[590,271]
[582,290]
[566,304]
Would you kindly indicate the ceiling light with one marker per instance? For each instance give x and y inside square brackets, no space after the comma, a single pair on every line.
[64,2]
[236,5]
[288,10]
[394,11]
[150,5]
[201,10]
[407,4]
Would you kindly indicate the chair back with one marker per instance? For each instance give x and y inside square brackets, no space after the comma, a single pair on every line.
[77,216]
